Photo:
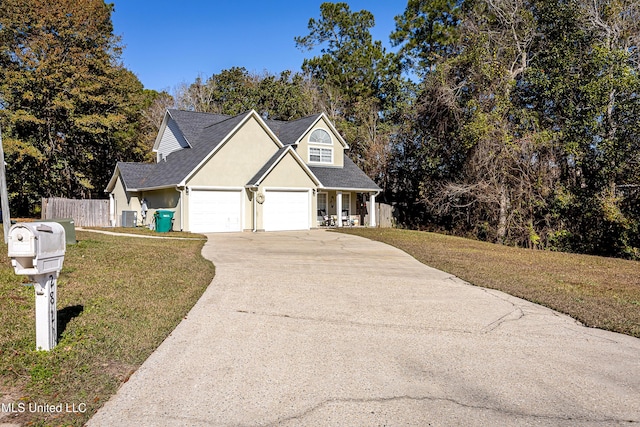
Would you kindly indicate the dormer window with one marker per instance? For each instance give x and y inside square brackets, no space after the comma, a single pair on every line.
[318,154]
[320,136]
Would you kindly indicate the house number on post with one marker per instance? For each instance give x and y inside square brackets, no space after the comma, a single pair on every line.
[37,250]
[46,311]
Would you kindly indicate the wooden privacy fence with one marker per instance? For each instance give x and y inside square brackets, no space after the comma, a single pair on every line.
[85,212]
[384,216]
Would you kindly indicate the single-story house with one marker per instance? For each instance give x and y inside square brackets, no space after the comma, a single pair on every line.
[233,173]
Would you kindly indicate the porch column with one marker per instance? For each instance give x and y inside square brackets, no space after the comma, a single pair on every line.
[339,207]
[372,210]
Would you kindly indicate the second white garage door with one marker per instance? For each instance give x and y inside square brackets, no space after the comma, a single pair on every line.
[286,210]
[215,211]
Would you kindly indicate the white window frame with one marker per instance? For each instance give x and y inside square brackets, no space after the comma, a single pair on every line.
[320,142]
[325,155]
[347,197]
[319,218]
[326,202]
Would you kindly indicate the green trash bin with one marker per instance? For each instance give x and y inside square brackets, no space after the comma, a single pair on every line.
[163,220]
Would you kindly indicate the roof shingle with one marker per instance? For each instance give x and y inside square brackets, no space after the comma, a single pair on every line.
[205,131]
[191,123]
[348,177]
[133,174]
[289,132]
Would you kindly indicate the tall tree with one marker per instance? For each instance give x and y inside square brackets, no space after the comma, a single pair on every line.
[70,110]
[236,90]
[478,142]
[428,32]
[524,128]
[350,57]
[359,81]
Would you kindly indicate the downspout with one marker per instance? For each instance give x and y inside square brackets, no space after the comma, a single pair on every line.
[254,203]
[183,193]
[112,210]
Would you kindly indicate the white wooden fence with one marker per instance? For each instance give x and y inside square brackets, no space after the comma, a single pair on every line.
[85,212]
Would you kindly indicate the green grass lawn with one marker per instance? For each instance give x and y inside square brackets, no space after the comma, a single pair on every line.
[599,292]
[118,299]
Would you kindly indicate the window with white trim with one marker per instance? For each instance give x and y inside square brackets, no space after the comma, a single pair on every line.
[346,202]
[322,206]
[320,136]
[320,155]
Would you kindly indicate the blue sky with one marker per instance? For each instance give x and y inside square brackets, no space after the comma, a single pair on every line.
[168,43]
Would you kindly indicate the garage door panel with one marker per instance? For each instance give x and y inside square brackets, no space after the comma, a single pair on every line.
[286,210]
[215,211]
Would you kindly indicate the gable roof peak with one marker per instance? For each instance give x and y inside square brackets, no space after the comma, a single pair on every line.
[193,124]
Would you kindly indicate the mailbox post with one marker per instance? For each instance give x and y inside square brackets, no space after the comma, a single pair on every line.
[37,250]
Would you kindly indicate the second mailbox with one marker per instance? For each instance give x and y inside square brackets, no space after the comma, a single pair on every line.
[36,247]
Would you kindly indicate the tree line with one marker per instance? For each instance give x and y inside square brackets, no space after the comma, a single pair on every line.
[509,121]
[525,125]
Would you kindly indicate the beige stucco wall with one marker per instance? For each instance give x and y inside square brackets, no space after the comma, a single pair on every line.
[235,163]
[338,149]
[287,174]
[124,201]
[119,197]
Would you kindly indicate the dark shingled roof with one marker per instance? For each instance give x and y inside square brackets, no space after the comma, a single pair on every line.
[191,123]
[289,132]
[204,131]
[133,174]
[348,177]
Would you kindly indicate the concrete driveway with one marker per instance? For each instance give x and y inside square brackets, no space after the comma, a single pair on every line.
[324,329]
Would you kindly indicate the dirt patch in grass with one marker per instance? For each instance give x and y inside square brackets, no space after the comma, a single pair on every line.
[118,299]
[599,292]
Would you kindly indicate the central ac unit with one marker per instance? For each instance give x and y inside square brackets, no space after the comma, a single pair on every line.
[129,218]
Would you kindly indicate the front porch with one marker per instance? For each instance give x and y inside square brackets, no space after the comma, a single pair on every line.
[345,208]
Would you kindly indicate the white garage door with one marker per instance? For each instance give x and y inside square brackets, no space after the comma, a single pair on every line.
[286,210]
[215,211]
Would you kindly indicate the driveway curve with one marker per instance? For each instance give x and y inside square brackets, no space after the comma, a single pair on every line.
[324,329]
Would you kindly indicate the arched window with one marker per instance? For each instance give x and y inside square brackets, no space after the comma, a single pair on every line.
[320,136]
[317,154]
